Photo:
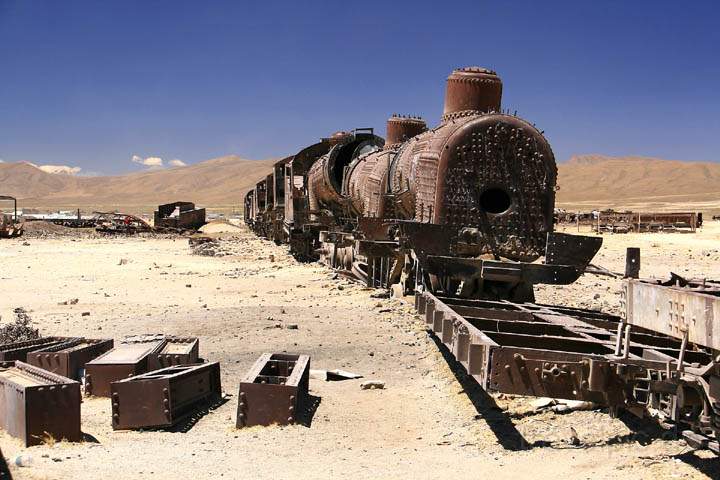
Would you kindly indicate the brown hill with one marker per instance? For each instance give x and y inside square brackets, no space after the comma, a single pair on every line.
[588,181]
[638,182]
[218,182]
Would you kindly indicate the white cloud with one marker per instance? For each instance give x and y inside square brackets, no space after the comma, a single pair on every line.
[60,169]
[148,162]
[177,163]
[2,161]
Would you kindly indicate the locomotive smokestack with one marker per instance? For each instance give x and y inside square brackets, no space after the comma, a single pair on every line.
[472,89]
[401,128]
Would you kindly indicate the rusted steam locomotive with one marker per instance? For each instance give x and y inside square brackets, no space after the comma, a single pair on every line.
[464,208]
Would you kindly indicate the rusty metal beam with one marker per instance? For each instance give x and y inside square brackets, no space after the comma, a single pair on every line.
[274,391]
[178,351]
[19,350]
[123,361]
[69,358]
[136,355]
[164,397]
[38,405]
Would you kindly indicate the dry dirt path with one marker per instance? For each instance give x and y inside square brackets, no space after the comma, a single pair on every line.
[429,422]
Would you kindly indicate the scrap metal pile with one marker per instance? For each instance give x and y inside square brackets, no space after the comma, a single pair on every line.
[114,222]
[41,379]
[459,215]
[152,381]
[628,221]
[174,217]
[624,222]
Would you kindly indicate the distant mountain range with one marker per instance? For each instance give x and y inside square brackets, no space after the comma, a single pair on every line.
[635,181]
[586,181]
[218,182]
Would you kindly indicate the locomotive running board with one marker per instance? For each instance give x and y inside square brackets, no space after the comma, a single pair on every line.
[566,256]
[510,272]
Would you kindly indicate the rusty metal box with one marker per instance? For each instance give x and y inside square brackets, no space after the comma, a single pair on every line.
[274,390]
[19,350]
[123,361]
[69,358]
[178,351]
[35,404]
[163,397]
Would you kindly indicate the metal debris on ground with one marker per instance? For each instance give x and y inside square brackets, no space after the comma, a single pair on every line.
[207,247]
[38,406]
[115,222]
[164,397]
[333,375]
[136,355]
[274,391]
[559,405]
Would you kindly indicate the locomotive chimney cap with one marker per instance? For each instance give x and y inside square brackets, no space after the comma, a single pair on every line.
[406,118]
[470,91]
[475,69]
[401,128]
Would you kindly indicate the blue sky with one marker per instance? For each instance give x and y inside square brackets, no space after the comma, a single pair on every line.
[92,83]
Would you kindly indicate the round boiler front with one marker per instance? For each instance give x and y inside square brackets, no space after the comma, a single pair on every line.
[498,171]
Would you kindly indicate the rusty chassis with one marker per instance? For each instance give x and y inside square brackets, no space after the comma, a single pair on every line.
[560,352]
[448,260]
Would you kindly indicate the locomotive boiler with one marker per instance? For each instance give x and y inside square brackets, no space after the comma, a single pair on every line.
[464,208]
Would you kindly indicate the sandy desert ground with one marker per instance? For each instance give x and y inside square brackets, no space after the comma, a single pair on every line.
[429,422]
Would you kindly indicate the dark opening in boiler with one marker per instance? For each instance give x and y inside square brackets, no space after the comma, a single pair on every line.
[495,200]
